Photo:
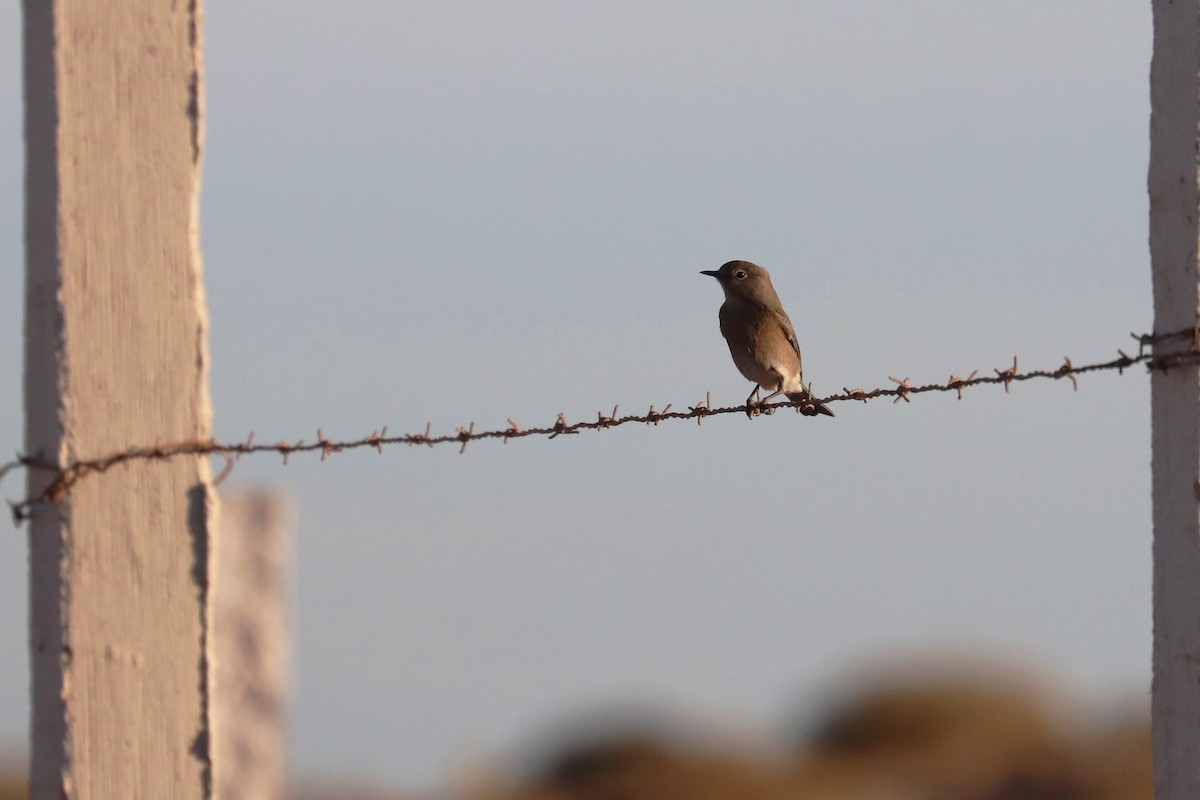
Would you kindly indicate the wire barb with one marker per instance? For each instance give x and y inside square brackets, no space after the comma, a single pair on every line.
[377,439]
[701,409]
[902,390]
[1125,361]
[561,427]
[958,384]
[1068,369]
[465,435]
[1008,375]
[224,473]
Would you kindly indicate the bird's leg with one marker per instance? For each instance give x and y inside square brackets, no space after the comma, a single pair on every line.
[775,393]
[752,400]
[768,399]
[808,407]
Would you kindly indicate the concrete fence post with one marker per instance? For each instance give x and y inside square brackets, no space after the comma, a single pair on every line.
[116,356]
[252,645]
[1174,186]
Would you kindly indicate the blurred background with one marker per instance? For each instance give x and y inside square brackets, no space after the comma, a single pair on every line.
[467,211]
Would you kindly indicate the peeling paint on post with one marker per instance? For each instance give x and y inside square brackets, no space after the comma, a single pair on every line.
[116,355]
[1174,185]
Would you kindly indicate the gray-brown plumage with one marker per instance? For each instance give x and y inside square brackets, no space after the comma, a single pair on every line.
[761,338]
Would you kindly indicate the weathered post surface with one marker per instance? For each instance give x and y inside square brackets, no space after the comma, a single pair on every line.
[116,356]
[1174,184]
[252,645]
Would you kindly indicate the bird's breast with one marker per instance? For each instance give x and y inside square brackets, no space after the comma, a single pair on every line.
[758,345]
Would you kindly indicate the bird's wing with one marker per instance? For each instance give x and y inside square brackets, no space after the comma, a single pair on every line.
[790,332]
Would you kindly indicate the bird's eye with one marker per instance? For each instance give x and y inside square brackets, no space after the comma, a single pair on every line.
[741,273]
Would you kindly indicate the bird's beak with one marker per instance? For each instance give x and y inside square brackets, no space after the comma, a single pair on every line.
[714,273]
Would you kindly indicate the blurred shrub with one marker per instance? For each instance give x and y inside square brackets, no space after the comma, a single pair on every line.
[969,740]
[936,738]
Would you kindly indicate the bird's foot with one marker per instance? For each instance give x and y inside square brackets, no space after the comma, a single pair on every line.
[752,403]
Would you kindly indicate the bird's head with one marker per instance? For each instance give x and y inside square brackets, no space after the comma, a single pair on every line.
[743,279]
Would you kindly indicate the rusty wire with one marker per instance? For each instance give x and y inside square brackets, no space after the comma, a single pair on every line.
[63,477]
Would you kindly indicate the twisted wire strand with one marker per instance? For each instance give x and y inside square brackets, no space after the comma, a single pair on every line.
[63,477]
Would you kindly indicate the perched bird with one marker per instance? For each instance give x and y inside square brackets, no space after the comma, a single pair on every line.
[761,337]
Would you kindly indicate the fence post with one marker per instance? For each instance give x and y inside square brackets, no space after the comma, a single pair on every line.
[251,627]
[1175,397]
[115,356]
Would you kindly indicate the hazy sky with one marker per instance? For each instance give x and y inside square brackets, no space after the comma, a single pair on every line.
[463,211]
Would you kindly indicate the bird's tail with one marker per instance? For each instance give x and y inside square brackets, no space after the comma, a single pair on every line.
[809,406]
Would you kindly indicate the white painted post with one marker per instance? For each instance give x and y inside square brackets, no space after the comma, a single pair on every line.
[252,646]
[1174,184]
[116,356]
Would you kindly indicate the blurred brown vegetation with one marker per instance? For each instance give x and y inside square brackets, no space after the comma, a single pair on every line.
[935,739]
[938,736]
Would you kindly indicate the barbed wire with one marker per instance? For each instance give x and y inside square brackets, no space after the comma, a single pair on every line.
[64,477]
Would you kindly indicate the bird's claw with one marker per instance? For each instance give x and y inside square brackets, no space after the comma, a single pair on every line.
[753,404]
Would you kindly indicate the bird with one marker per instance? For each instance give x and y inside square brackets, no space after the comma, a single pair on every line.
[761,338]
